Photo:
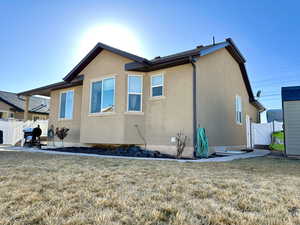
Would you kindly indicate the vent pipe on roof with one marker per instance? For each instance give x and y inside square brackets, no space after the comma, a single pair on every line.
[214,42]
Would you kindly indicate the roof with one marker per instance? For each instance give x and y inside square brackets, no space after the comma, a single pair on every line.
[175,59]
[145,65]
[290,93]
[94,52]
[45,90]
[36,104]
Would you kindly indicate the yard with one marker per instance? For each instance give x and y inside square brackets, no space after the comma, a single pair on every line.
[38,188]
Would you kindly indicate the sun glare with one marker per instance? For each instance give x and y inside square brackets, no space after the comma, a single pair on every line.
[115,35]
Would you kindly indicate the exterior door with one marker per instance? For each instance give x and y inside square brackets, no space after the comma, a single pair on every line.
[248,131]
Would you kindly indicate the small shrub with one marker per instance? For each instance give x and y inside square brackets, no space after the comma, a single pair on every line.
[62,133]
[180,144]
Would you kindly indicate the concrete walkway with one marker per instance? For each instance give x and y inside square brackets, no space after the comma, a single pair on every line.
[255,153]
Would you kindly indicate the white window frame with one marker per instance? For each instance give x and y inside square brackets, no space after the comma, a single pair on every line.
[163,85]
[238,109]
[65,91]
[91,89]
[135,93]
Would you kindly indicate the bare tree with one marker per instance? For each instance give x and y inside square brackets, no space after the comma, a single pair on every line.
[180,144]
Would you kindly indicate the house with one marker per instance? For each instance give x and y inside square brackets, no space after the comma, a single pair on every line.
[12,106]
[114,97]
[274,115]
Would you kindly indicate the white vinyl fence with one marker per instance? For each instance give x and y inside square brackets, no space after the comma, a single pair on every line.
[261,132]
[13,129]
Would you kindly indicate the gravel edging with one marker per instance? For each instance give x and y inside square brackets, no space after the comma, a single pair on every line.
[255,153]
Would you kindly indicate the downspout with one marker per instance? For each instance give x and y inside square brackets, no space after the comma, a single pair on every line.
[192,61]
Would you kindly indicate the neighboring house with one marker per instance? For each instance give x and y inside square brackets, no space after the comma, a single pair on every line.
[274,115]
[114,97]
[12,106]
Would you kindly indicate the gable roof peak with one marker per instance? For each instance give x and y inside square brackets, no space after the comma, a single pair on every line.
[94,52]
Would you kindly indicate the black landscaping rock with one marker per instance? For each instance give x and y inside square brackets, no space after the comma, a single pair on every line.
[132,151]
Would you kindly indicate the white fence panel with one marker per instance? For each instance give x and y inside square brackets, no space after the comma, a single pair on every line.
[262,132]
[278,126]
[13,129]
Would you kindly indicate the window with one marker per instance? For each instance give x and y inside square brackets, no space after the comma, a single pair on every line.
[66,105]
[135,91]
[103,95]
[157,85]
[238,109]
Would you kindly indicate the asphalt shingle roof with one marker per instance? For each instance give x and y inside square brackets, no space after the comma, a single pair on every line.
[191,52]
[36,104]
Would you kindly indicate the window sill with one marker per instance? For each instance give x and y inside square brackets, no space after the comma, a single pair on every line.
[61,119]
[157,98]
[134,113]
[238,123]
[103,114]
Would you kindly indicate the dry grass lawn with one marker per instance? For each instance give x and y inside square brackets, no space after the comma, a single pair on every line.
[54,189]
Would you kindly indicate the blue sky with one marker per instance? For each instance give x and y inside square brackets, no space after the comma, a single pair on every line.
[41,41]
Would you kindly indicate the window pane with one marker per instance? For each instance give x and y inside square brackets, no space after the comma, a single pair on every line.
[108,92]
[157,80]
[157,91]
[134,102]
[135,84]
[69,105]
[63,97]
[96,97]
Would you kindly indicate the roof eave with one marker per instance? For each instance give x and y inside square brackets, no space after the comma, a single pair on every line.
[83,63]
[235,50]
[94,52]
[157,66]
[258,105]
[45,90]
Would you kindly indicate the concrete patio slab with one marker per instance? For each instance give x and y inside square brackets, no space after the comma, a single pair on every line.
[255,153]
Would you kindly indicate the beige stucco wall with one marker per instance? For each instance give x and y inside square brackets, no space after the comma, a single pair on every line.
[219,80]
[166,116]
[74,123]
[161,118]
[106,128]
[20,116]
